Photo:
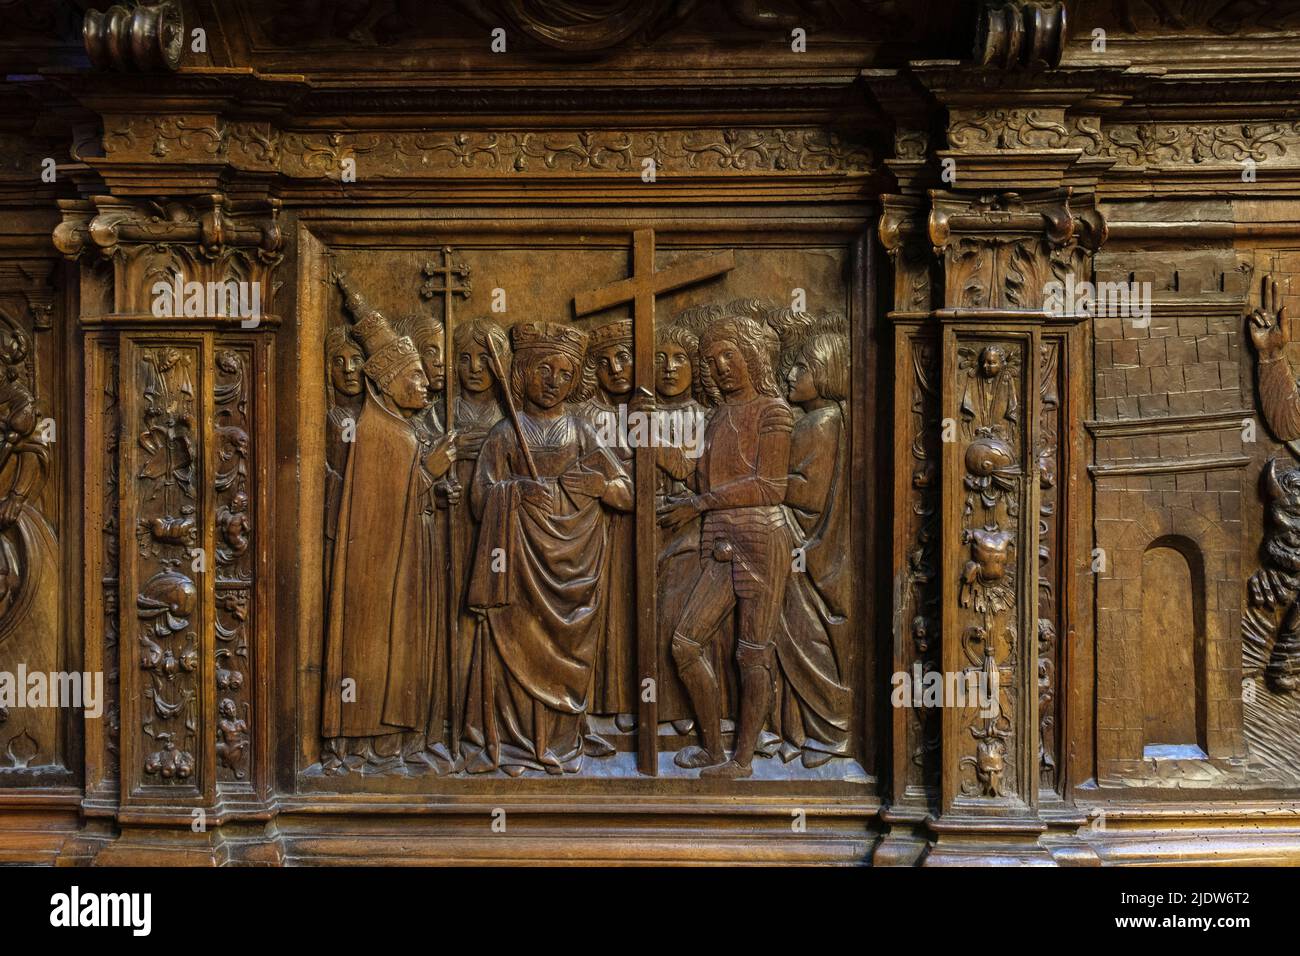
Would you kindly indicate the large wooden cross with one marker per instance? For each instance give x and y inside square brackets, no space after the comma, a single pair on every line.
[640,289]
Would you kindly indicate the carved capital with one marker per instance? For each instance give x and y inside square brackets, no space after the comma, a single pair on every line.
[205,239]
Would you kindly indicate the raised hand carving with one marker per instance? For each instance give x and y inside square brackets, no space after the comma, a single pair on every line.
[1275,586]
[1278,396]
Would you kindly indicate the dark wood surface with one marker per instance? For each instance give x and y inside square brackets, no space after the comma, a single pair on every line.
[386,573]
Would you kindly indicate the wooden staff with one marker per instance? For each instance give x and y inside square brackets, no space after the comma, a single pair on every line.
[510,407]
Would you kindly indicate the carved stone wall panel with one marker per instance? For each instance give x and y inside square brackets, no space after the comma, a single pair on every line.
[1171,437]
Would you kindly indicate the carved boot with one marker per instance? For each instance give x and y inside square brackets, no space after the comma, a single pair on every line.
[702,686]
[755,705]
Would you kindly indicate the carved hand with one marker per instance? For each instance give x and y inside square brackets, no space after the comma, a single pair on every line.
[642,401]
[1268,322]
[10,508]
[588,484]
[536,492]
[439,461]
[675,512]
[447,492]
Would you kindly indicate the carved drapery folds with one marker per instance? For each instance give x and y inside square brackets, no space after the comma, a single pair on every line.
[31,622]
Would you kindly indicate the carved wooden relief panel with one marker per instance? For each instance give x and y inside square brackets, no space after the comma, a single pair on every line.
[650,418]
[630,554]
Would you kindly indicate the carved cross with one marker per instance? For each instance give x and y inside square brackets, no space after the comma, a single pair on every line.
[641,289]
[447,280]
[450,280]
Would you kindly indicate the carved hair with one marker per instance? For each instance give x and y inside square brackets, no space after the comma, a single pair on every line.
[827,356]
[689,342]
[486,333]
[754,346]
[423,330]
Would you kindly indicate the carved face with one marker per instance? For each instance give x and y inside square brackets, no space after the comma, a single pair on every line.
[614,369]
[727,366]
[474,368]
[991,550]
[410,390]
[992,361]
[799,383]
[431,362]
[345,370]
[549,380]
[672,370]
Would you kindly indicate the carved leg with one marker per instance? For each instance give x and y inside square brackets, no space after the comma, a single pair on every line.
[702,687]
[711,600]
[756,694]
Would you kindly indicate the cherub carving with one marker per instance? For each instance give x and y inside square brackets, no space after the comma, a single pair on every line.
[232,738]
[989,398]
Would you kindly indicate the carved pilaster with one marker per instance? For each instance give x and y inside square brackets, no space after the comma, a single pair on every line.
[178,304]
[1016,226]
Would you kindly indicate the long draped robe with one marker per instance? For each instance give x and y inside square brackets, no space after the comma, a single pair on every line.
[387,589]
[539,580]
[473,422]
[29,586]
[615,688]
[813,643]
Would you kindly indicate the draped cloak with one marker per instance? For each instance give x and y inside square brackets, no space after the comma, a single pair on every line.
[615,687]
[539,581]
[387,584]
[813,643]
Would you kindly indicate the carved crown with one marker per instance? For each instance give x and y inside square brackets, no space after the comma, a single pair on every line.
[611,333]
[550,335]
